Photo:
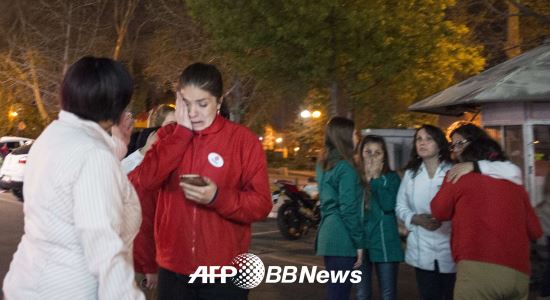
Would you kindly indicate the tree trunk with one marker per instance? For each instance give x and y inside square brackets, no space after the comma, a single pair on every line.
[513,41]
[36,90]
[67,41]
[338,102]
[122,23]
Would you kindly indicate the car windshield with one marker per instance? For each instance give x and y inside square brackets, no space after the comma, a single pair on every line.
[22,150]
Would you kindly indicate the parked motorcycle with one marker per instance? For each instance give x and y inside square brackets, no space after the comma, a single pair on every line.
[298,212]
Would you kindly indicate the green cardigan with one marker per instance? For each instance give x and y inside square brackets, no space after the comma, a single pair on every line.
[341,195]
[382,237]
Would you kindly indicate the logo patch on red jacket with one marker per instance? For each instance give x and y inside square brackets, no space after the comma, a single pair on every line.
[215,159]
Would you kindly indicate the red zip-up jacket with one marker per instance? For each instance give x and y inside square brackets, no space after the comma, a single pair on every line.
[492,220]
[187,234]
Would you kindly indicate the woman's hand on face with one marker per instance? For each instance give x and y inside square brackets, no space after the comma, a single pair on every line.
[376,168]
[200,194]
[373,168]
[182,114]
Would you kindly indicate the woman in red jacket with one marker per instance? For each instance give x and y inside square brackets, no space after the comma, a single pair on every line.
[203,225]
[493,224]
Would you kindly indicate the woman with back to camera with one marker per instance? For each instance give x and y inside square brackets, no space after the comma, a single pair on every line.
[493,225]
[207,224]
[340,235]
[461,136]
[383,245]
[81,212]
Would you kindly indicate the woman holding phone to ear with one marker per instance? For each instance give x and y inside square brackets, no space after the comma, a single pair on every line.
[203,225]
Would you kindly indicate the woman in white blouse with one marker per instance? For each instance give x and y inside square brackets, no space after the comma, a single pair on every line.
[428,247]
[81,212]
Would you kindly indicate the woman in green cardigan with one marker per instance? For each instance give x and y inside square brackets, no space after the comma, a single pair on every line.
[383,244]
[340,235]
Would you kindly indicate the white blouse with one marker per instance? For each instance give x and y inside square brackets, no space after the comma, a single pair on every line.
[81,216]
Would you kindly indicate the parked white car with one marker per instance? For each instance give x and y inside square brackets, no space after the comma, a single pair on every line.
[8,143]
[11,172]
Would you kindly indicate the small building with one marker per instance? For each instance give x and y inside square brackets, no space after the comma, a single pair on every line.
[512,102]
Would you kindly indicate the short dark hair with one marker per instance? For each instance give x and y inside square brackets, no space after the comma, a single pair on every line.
[96,89]
[483,148]
[439,137]
[204,76]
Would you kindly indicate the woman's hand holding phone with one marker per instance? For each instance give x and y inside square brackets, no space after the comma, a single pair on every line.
[197,188]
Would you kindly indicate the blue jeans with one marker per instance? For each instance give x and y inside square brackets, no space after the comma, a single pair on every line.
[339,291]
[387,279]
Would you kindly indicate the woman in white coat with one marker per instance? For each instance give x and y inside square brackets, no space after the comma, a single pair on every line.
[81,212]
[428,247]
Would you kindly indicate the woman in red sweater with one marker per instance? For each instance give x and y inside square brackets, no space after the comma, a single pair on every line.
[204,223]
[493,224]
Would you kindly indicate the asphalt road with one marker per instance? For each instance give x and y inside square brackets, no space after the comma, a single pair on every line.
[274,250]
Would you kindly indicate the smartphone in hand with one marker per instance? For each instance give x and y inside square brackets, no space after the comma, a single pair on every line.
[193,179]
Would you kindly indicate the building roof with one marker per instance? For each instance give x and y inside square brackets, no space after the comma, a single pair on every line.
[524,78]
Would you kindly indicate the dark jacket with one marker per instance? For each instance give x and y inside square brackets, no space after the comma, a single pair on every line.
[382,236]
[341,195]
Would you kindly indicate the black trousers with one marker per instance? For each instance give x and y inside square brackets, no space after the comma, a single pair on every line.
[174,286]
[433,285]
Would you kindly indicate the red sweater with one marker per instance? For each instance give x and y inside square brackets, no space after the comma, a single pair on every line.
[492,220]
[188,234]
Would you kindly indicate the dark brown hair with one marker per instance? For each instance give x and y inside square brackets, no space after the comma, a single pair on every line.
[415,161]
[338,142]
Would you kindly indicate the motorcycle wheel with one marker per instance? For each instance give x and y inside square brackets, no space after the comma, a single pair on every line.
[289,222]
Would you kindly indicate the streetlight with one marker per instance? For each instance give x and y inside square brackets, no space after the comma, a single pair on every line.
[278,140]
[305,114]
[316,114]
[12,114]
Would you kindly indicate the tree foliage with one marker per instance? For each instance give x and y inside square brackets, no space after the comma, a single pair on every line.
[487,21]
[374,57]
